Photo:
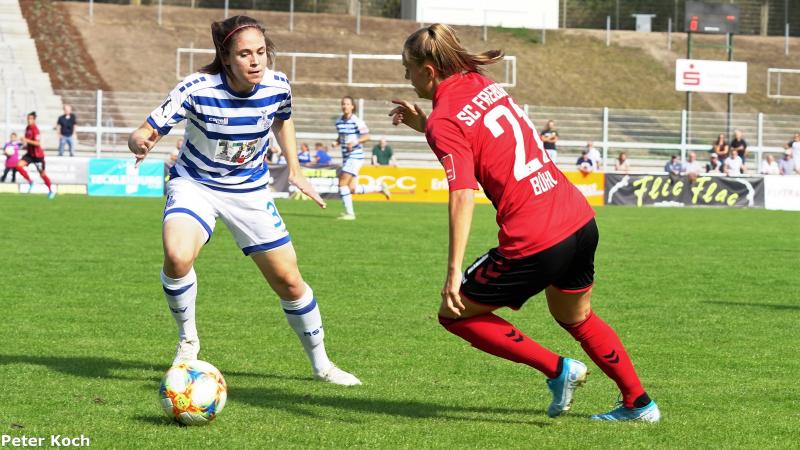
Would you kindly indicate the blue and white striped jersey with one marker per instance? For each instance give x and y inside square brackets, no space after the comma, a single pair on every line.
[226,132]
[349,131]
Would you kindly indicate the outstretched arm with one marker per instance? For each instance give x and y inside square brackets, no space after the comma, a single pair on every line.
[285,134]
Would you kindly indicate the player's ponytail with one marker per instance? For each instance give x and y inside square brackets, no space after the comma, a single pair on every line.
[439,45]
[224,32]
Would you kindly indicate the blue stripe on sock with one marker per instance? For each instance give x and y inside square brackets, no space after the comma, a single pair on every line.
[299,312]
[179,291]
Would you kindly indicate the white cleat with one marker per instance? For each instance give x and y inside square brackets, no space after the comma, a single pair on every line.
[345,216]
[335,375]
[186,350]
[385,191]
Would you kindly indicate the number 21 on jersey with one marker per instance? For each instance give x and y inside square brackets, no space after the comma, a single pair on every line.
[523,167]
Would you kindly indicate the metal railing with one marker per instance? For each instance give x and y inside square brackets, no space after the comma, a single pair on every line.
[779,83]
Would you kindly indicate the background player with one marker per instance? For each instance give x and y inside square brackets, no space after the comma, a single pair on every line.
[353,133]
[231,106]
[34,155]
[547,235]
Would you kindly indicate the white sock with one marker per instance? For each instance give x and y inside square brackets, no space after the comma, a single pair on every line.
[304,318]
[367,188]
[181,294]
[347,199]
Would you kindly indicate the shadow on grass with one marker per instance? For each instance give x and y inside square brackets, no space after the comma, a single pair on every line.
[101,367]
[755,305]
[306,404]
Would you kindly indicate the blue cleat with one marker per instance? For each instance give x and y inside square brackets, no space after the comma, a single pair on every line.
[649,413]
[573,375]
[30,187]
[51,195]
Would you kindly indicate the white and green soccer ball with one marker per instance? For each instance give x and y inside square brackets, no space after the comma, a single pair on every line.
[193,392]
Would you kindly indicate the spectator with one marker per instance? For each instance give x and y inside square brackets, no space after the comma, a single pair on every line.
[673,167]
[585,165]
[321,156]
[720,147]
[692,168]
[11,150]
[622,163]
[786,164]
[770,166]
[549,137]
[794,147]
[733,164]
[594,155]
[66,131]
[713,165]
[304,155]
[739,144]
[383,155]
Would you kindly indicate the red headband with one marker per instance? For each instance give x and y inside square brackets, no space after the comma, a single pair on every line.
[237,29]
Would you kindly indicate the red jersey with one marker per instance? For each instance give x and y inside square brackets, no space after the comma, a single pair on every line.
[481,136]
[32,133]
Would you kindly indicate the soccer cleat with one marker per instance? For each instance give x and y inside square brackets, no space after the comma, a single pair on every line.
[186,350]
[335,375]
[649,413]
[30,187]
[345,216]
[51,195]
[385,191]
[573,375]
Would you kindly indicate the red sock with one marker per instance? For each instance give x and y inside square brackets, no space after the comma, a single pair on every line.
[602,344]
[495,336]
[24,173]
[46,180]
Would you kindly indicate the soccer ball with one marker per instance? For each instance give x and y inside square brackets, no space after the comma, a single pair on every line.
[193,392]
[9,150]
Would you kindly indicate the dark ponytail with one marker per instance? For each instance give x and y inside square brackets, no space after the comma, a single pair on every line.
[223,34]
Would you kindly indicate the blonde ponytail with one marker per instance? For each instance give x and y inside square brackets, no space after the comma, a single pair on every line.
[439,45]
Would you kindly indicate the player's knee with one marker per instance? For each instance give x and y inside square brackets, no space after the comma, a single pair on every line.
[177,263]
[292,282]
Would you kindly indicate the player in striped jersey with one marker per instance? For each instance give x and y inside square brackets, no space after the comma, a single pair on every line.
[229,107]
[353,133]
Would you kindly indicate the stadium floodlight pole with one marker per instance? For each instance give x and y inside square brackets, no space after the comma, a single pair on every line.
[91,11]
[485,32]
[669,33]
[160,3]
[684,132]
[565,14]
[786,41]
[226,9]
[688,93]
[729,45]
[358,19]
[291,16]
[608,31]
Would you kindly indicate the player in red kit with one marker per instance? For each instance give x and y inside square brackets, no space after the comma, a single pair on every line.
[547,236]
[34,155]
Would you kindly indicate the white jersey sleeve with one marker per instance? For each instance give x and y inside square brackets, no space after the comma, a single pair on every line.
[173,109]
[362,127]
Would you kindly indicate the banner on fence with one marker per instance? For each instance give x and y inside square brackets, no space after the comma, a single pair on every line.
[121,177]
[782,192]
[665,190]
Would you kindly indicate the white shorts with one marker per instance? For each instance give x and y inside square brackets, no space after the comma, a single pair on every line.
[352,166]
[252,217]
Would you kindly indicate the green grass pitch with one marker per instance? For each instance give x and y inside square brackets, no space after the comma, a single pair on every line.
[706,301]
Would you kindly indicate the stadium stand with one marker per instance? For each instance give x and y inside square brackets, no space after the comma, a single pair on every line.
[21,75]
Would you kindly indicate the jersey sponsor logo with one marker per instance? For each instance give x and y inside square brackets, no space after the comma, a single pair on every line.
[449,167]
[218,120]
[235,151]
[487,97]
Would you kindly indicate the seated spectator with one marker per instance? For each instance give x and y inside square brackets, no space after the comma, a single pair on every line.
[713,165]
[739,144]
[794,147]
[593,154]
[382,154]
[692,168]
[674,166]
[770,166]
[733,164]
[621,165]
[321,156]
[585,165]
[786,164]
[720,147]
[304,155]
